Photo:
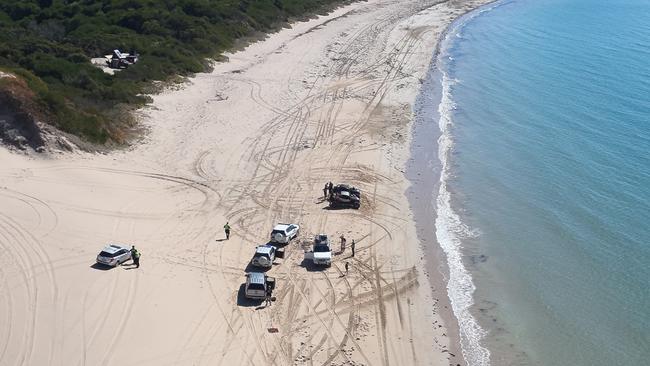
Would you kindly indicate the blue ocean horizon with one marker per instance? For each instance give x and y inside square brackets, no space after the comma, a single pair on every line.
[544,201]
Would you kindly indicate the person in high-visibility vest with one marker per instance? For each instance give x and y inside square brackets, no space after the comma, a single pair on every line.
[135,255]
[226,228]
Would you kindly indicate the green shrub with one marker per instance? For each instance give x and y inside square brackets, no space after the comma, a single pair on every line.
[50,42]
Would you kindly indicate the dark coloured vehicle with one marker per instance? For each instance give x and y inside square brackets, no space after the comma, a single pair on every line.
[344,195]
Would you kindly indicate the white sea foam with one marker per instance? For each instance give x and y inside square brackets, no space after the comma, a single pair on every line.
[450,230]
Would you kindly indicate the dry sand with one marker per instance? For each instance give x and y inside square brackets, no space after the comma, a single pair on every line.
[252,143]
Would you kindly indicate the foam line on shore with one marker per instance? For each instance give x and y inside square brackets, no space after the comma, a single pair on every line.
[449,227]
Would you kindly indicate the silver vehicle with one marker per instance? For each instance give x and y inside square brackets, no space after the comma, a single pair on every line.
[321,253]
[257,285]
[114,255]
[265,255]
[283,233]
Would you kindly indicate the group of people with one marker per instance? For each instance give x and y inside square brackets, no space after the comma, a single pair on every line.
[328,190]
[344,242]
[353,247]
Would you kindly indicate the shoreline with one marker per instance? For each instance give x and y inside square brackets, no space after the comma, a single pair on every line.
[307,105]
[424,170]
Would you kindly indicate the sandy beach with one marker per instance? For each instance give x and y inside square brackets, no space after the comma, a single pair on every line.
[251,143]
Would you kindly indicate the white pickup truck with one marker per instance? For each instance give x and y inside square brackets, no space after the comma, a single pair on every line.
[321,253]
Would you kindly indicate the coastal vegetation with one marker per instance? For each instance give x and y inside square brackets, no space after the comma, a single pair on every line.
[49,43]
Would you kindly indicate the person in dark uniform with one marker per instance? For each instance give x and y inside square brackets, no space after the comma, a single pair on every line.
[268,298]
[352,246]
[346,267]
[325,189]
[135,255]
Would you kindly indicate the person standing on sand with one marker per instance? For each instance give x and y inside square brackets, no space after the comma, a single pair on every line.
[346,267]
[342,243]
[352,246]
[226,228]
[268,299]
[135,255]
[330,189]
[325,189]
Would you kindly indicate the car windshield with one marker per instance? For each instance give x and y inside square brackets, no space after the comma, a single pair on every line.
[256,286]
[107,254]
[321,248]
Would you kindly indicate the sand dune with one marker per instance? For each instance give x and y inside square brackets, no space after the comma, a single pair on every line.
[251,143]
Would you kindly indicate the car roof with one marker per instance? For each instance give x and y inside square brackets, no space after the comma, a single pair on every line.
[113,248]
[282,226]
[264,249]
[256,277]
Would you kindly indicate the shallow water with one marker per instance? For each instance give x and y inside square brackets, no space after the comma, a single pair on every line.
[545,148]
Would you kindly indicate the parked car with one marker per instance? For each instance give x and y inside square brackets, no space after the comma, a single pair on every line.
[321,253]
[344,195]
[283,233]
[121,60]
[265,255]
[257,284]
[114,255]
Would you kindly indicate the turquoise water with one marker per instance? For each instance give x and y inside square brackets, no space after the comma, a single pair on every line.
[544,202]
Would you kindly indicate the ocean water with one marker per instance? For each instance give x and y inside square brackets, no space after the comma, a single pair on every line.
[544,198]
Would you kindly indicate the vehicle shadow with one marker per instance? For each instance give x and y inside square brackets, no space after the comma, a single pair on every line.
[251,268]
[276,244]
[311,267]
[245,302]
[336,208]
[101,267]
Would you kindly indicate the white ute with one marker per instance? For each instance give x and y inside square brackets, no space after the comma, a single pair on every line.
[321,253]
[265,255]
[283,233]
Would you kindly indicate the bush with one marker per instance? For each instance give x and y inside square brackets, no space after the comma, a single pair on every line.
[49,43]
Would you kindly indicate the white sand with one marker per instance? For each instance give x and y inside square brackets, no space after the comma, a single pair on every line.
[251,143]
